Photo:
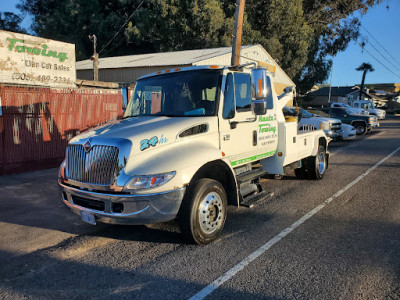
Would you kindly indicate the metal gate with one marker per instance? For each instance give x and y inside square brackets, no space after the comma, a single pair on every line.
[37,123]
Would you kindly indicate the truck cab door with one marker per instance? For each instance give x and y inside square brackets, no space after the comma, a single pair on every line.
[238,125]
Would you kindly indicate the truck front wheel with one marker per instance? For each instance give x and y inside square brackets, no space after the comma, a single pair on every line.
[203,212]
[360,128]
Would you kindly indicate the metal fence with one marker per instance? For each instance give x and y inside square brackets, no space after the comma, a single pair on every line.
[37,123]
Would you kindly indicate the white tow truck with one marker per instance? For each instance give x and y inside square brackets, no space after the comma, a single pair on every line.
[192,141]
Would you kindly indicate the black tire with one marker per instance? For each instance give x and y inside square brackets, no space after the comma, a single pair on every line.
[360,128]
[301,173]
[369,129]
[203,212]
[318,164]
[313,167]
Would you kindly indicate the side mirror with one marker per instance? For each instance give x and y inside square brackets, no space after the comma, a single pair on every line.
[124,92]
[259,86]
[259,107]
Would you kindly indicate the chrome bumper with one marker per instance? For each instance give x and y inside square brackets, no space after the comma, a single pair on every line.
[334,134]
[131,209]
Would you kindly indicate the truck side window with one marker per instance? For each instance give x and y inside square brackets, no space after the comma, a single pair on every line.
[229,98]
[243,92]
[270,97]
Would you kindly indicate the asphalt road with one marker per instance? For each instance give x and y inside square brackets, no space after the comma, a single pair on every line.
[338,238]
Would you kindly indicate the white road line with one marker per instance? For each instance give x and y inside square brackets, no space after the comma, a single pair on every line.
[240,266]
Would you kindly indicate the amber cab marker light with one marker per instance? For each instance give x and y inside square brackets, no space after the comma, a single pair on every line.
[177,70]
[214,67]
[279,153]
[158,72]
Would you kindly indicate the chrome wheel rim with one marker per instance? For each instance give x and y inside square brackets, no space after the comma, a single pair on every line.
[321,162]
[211,213]
[360,129]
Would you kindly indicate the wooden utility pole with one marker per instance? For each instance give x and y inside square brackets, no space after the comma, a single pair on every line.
[237,32]
[95,58]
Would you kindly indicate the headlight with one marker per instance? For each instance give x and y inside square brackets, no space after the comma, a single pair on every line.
[325,126]
[148,181]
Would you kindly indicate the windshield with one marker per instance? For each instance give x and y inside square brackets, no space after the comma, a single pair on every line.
[189,93]
[351,111]
[306,113]
[321,113]
[367,105]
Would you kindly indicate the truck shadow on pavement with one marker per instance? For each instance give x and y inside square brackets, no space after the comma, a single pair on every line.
[127,271]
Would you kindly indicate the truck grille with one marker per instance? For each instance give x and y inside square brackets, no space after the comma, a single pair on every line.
[336,126]
[98,167]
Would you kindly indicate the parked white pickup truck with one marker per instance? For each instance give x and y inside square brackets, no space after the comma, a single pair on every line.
[192,141]
[356,111]
[368,105]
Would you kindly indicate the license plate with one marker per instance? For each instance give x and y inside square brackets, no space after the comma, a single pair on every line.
[88,217]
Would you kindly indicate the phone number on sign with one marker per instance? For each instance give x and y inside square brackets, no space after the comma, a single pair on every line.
[41,78]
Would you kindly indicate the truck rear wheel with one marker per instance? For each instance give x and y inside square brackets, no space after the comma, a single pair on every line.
[318,164]
[313,167]
[203,212]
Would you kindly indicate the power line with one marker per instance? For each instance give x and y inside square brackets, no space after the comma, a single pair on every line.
[380,45]
[123,25]
[381,63]
[117,45]
[362,47]
[363,27]
[384,56]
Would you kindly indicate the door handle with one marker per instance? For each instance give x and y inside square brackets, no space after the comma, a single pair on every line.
[254,138]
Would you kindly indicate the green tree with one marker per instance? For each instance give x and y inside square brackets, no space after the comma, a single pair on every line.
[300,35]
[11,22]
[365,68]
[157,25]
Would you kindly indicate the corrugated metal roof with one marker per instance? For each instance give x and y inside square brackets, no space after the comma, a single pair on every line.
[156,59]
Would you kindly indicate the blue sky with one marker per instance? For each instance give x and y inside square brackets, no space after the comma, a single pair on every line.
[382,23]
